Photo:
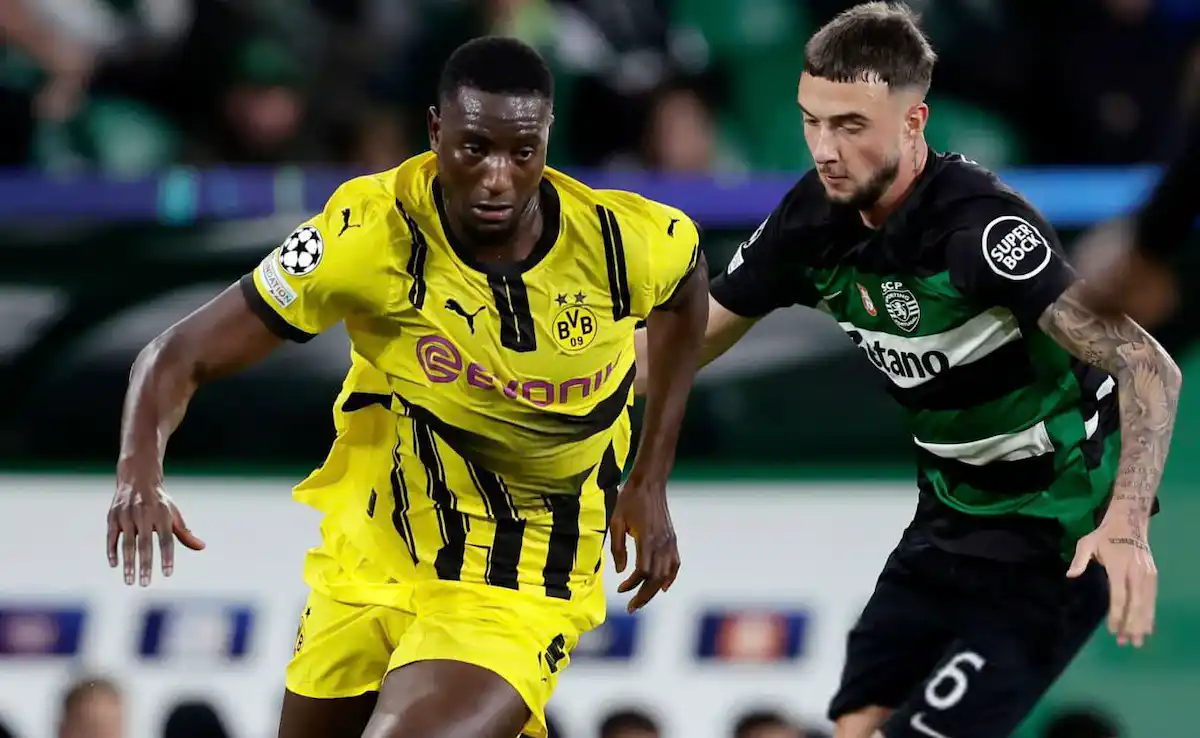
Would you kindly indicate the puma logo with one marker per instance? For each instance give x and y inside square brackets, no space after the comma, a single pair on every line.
[671,227]
[346,222]
[453,306]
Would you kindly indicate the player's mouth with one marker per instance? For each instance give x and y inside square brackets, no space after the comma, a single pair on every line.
[492,213]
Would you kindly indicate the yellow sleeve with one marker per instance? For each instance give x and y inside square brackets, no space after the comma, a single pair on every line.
[674,253]
[325,269]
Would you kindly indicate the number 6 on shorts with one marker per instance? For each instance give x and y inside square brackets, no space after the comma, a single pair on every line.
[953,677]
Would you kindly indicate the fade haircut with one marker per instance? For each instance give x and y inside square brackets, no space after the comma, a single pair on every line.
[496,64]
[875,41]
[630,719]
[757,720]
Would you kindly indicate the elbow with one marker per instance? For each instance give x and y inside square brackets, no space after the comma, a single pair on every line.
[166,354]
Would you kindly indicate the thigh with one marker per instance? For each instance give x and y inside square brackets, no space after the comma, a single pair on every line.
[341,650]
[308,717]
[502,637]
[990,678]
[898,638]
[447,699]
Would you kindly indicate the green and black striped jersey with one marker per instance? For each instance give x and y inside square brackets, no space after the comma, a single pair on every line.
[1017,440]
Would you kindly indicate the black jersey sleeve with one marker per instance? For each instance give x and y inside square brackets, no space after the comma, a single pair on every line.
[765,272]
[1006,255]
[1164,222]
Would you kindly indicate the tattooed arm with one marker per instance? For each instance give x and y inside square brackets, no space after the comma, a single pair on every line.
[1148,392]
[1017,263]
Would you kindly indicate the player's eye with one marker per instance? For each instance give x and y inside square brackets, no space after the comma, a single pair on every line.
[473,149]
[525,154]
[853,128]
[810,122]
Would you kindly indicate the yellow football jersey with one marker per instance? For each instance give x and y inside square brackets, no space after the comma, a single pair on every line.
[524,369]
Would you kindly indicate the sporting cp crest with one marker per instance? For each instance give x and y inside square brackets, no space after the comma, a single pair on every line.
[901,305]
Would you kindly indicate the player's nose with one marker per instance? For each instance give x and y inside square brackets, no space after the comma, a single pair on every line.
[824,149]
[497,177]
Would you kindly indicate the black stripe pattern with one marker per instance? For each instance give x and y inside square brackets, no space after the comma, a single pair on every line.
[614,257]
[512,303]
[504,557]
[361,400]
[564,544]
[571,428]
[1105,410]
[400,505]
[416,259]
[1018,477]
[673,298]
[453,524]
[608,478]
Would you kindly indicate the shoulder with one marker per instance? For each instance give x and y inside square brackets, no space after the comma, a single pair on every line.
[354,238]
[965,195]
[650,220]
[981,219]
[973,208]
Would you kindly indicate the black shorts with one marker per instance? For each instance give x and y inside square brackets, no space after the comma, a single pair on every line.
[961,646]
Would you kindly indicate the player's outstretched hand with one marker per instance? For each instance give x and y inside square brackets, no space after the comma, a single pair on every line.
[641,512]
[1132,581]
[1120,279]
[139,512]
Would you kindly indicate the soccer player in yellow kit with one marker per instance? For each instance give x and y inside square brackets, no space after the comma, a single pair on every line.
[483,428]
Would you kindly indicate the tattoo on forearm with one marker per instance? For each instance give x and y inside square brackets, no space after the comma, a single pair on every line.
[1148,392]
[1135,542]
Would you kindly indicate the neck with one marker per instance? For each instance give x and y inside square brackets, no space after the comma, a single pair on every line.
[906,178]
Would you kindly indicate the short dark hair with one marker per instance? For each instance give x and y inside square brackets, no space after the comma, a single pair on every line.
[194,719]
[627,719]
[496,64]
[873,41]
[79,691]
[754,720]
[1081,723]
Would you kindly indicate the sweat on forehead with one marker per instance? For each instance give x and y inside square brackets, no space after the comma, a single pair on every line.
[471,105]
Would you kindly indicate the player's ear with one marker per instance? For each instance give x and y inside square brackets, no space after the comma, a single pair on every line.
[917,118]
[434,123]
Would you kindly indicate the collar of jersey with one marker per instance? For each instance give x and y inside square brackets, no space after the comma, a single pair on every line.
[551,208]
[897,221]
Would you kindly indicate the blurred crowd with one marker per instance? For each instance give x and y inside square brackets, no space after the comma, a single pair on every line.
[129,86]
[95,707]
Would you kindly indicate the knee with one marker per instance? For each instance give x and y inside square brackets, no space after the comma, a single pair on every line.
[862,723]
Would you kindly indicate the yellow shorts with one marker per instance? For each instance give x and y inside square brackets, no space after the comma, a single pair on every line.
[358,626]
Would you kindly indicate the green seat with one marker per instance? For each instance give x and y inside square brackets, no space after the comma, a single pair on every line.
[764,108]
[736,27]
[973,132]
[119,137]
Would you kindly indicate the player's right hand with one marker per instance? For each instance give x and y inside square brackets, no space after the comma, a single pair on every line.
[1120,279]
[138,512]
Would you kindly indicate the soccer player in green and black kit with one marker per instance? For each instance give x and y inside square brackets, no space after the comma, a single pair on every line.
[1041,428]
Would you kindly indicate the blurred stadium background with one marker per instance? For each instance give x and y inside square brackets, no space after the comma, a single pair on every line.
[153,150]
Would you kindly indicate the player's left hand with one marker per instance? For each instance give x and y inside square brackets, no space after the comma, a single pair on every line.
[1132,579]
[641,512]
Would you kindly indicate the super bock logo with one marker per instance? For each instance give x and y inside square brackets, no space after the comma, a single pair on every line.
[901,305]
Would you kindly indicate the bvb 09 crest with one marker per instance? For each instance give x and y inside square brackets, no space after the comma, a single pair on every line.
[575,324]
[902,306]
